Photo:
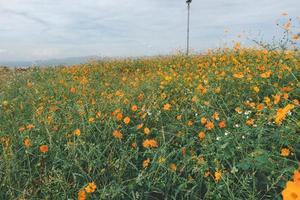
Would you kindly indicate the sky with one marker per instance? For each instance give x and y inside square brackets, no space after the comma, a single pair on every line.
[52,29]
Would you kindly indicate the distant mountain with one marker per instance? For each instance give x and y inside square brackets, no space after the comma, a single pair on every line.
[50,62]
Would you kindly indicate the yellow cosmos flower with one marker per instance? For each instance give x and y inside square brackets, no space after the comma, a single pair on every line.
[167,106]
[146,163]
[91,187]
[146,131]
[285,152]
[218,176]
[126,120]
[117,134]
[77,132]
[150,143]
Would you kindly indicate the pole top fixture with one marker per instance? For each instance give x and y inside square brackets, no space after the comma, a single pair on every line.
[188,1]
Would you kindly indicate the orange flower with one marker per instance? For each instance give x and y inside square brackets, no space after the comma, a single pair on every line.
[194,99]
[206,174]
[73,90]
[267,100]
[222,124]
[202,89]
[295,37]
[91,187]
[209,125]
[190,123]
[77,132]
[238,110]
[276,98]
[44,148]
[151,143]
[296,176]
[91,120]
[146,163]
[30,126]
[266,74]
[218,176]
[167,106]
[134,108]
[114,113]
[126,120]
[83,81]
[126,101]
[201,135]
[250,122]
[27,142]
[173,167]
[119,116]
[238,75]
[215,116]
[139,126]
[22,128]
[146,131]
[119,93]
[29,84]
[179,117]
[291,191]
[287,26]
[81,195]
[203,120]
[98,115]
[134,145]
[117,134]
[282,112]
[285,152]
[141,97]
[285,96]
[260,107]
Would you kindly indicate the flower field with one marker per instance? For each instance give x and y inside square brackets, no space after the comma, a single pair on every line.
[220,125]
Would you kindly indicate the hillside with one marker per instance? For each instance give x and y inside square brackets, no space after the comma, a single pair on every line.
[221,125]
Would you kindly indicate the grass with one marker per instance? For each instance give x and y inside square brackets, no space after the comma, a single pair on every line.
[221,125]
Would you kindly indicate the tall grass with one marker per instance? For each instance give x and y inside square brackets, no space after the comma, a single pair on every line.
[221,125]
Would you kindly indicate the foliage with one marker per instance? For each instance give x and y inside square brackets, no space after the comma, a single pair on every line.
[220,125]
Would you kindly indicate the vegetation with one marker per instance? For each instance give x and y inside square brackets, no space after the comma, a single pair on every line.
[221,125]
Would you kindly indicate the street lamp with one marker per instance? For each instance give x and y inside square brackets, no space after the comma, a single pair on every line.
[188,27]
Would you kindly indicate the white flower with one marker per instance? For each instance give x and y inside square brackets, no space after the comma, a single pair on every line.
[149,113]
[226,133]
[248,112]
[218,138]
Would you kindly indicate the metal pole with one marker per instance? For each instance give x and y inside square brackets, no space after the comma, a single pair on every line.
[188,31]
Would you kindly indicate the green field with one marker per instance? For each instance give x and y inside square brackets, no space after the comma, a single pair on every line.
[220,125]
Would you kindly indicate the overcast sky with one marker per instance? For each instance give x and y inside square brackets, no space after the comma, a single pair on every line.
[46,29]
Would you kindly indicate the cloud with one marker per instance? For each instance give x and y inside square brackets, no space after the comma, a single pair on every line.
[35,29]
[25,15]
